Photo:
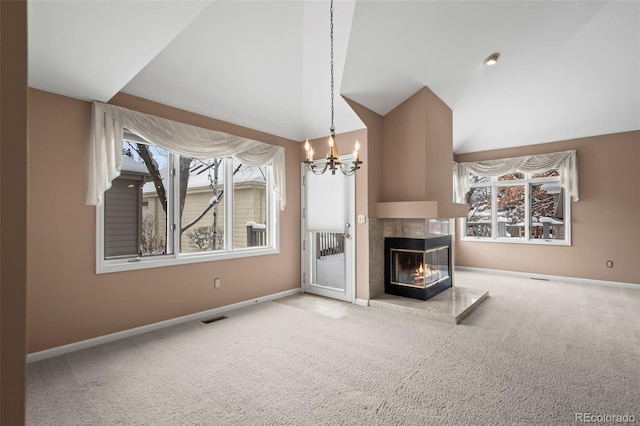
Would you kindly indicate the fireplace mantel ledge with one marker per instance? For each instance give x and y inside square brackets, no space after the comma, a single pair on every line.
[420,210]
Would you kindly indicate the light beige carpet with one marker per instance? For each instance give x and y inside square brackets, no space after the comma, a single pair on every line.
[535,352]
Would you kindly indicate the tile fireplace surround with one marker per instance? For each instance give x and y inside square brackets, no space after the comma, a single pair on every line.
[379,229]
[451,305]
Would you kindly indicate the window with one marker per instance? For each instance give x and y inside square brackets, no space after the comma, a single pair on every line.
[249,206]
[202,205]
[122,216]
[518,207]
[167,209]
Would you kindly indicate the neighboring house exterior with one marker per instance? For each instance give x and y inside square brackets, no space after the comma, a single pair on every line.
[135,221]
[123,209]
[249,207]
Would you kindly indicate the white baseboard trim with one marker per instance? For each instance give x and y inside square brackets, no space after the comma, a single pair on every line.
[84,344]
[548,277]
[362,302]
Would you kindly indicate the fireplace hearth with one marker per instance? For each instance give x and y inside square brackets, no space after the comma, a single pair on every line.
[417,268]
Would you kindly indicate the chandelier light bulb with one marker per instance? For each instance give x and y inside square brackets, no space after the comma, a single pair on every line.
[307,148]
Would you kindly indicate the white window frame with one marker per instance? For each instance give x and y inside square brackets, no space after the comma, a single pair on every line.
[528,181]
[174,257]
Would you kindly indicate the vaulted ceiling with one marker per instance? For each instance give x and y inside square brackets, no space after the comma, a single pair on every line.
[567,68]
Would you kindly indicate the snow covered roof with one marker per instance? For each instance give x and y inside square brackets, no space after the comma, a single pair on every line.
[548,220]
[132,166]
[551,188]
[199,178]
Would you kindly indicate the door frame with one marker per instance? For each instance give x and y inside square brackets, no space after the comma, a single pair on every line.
[350,243]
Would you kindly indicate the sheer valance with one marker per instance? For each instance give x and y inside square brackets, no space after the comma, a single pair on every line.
[566,162]
[105,146]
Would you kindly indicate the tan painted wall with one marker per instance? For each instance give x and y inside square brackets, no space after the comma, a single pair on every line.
[13,210]
[605,221]
[368,193]
[371,155]
[417,150]
[67,301]
[404,151]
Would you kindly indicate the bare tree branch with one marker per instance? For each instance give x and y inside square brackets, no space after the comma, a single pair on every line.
[215,200]
[214,186]
[154,171]
[185,165]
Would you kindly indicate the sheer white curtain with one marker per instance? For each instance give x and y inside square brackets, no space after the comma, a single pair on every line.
[105,146]
[565,161]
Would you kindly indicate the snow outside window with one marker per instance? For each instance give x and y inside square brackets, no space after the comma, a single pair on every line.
[518,207]
[166,209]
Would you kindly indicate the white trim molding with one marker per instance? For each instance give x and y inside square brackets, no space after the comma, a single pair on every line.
[85,344]
[173,254]
[362,302]
[549,277]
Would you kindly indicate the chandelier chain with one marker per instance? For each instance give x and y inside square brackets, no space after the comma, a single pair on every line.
[333,161]
[331,35]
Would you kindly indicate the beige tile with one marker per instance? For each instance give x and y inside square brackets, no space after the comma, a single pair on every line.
[376,254]
[336,312]
[317,304]
[392,228]
[413,228]
[452,305]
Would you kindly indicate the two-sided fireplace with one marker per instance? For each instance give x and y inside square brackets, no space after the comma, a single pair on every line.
[417,268]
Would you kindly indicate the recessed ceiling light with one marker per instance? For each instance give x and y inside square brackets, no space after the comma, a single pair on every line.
[492,59]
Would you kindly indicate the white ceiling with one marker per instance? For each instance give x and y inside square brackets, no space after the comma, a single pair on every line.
[567,68]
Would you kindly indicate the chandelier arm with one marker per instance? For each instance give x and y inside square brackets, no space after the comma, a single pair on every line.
[332,161]
[320,171]
[348,172]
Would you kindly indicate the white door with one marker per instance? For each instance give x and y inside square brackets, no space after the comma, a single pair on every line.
[328,234]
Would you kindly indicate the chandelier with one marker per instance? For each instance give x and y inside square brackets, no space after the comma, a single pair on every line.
[332,161]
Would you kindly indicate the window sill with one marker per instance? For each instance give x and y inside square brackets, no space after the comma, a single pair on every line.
[517,241]
[130,264]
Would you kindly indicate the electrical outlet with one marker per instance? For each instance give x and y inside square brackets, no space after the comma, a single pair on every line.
[217,283]
[609,263]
